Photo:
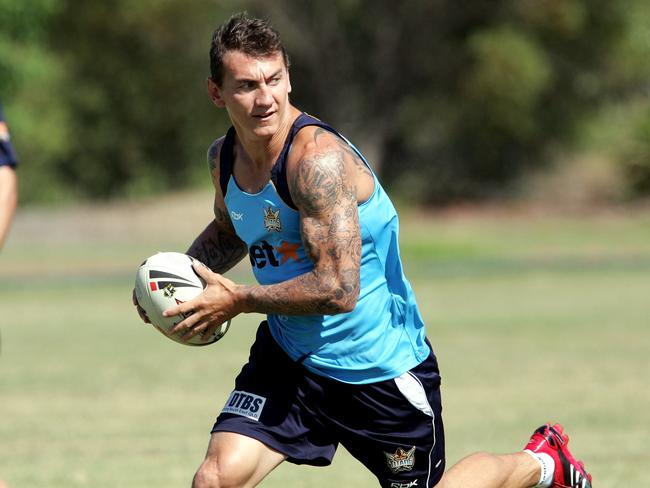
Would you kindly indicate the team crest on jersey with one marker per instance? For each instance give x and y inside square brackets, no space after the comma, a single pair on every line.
[272,220]
[401,461]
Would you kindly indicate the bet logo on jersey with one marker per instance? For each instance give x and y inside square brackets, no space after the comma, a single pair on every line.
[264,254]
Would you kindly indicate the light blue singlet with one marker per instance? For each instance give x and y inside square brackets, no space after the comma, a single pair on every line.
[384,335]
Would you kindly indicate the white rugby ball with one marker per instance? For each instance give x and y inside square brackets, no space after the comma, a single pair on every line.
[165,280]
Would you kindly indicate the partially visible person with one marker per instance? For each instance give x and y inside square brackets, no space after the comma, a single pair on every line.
[8,180]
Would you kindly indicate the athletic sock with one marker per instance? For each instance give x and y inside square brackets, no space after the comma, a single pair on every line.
[547,466]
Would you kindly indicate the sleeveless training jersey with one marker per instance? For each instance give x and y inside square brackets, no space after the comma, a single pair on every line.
[384,335]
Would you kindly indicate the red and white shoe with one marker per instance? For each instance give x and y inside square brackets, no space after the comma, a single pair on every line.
[569,473]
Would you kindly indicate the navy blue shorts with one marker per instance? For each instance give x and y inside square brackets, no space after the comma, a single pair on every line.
[393,427]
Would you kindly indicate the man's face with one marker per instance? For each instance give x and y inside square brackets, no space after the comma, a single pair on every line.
[255,91]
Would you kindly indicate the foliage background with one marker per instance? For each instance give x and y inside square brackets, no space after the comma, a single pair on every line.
[451,101]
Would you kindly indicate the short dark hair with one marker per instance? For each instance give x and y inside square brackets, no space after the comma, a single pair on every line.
[249,35]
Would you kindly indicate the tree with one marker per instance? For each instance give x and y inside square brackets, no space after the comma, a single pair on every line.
[30,83]
[136,74]
[453,100]
[449,100]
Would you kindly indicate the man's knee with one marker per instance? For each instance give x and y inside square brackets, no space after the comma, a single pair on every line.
[214,473]
[207,476]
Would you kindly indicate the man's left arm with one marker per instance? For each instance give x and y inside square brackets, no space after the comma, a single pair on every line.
[8,199]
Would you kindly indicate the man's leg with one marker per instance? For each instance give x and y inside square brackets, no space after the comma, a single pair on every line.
[234,460]
[482,470]
[546,461]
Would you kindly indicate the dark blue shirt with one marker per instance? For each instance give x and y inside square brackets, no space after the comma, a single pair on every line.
[7,153]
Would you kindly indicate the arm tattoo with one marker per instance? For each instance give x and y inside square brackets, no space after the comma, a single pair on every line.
[323,190]
[359,165]
[213,153]
[218,246]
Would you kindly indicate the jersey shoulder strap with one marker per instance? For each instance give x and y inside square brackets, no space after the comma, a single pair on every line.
[226,160]
[279,171]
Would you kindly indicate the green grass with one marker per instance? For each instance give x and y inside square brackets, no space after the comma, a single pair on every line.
[532,318]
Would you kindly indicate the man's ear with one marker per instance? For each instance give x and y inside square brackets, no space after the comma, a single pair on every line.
[215,93]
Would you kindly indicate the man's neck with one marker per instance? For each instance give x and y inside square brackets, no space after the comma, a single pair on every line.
[263,152]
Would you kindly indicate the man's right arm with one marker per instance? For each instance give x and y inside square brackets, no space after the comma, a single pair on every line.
[218,246]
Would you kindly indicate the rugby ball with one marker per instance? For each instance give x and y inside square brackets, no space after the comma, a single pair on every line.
[165,280]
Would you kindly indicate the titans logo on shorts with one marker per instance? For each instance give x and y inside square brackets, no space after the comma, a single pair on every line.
[394,427]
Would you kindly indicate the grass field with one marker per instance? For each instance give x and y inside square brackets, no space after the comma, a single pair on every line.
[533,317]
